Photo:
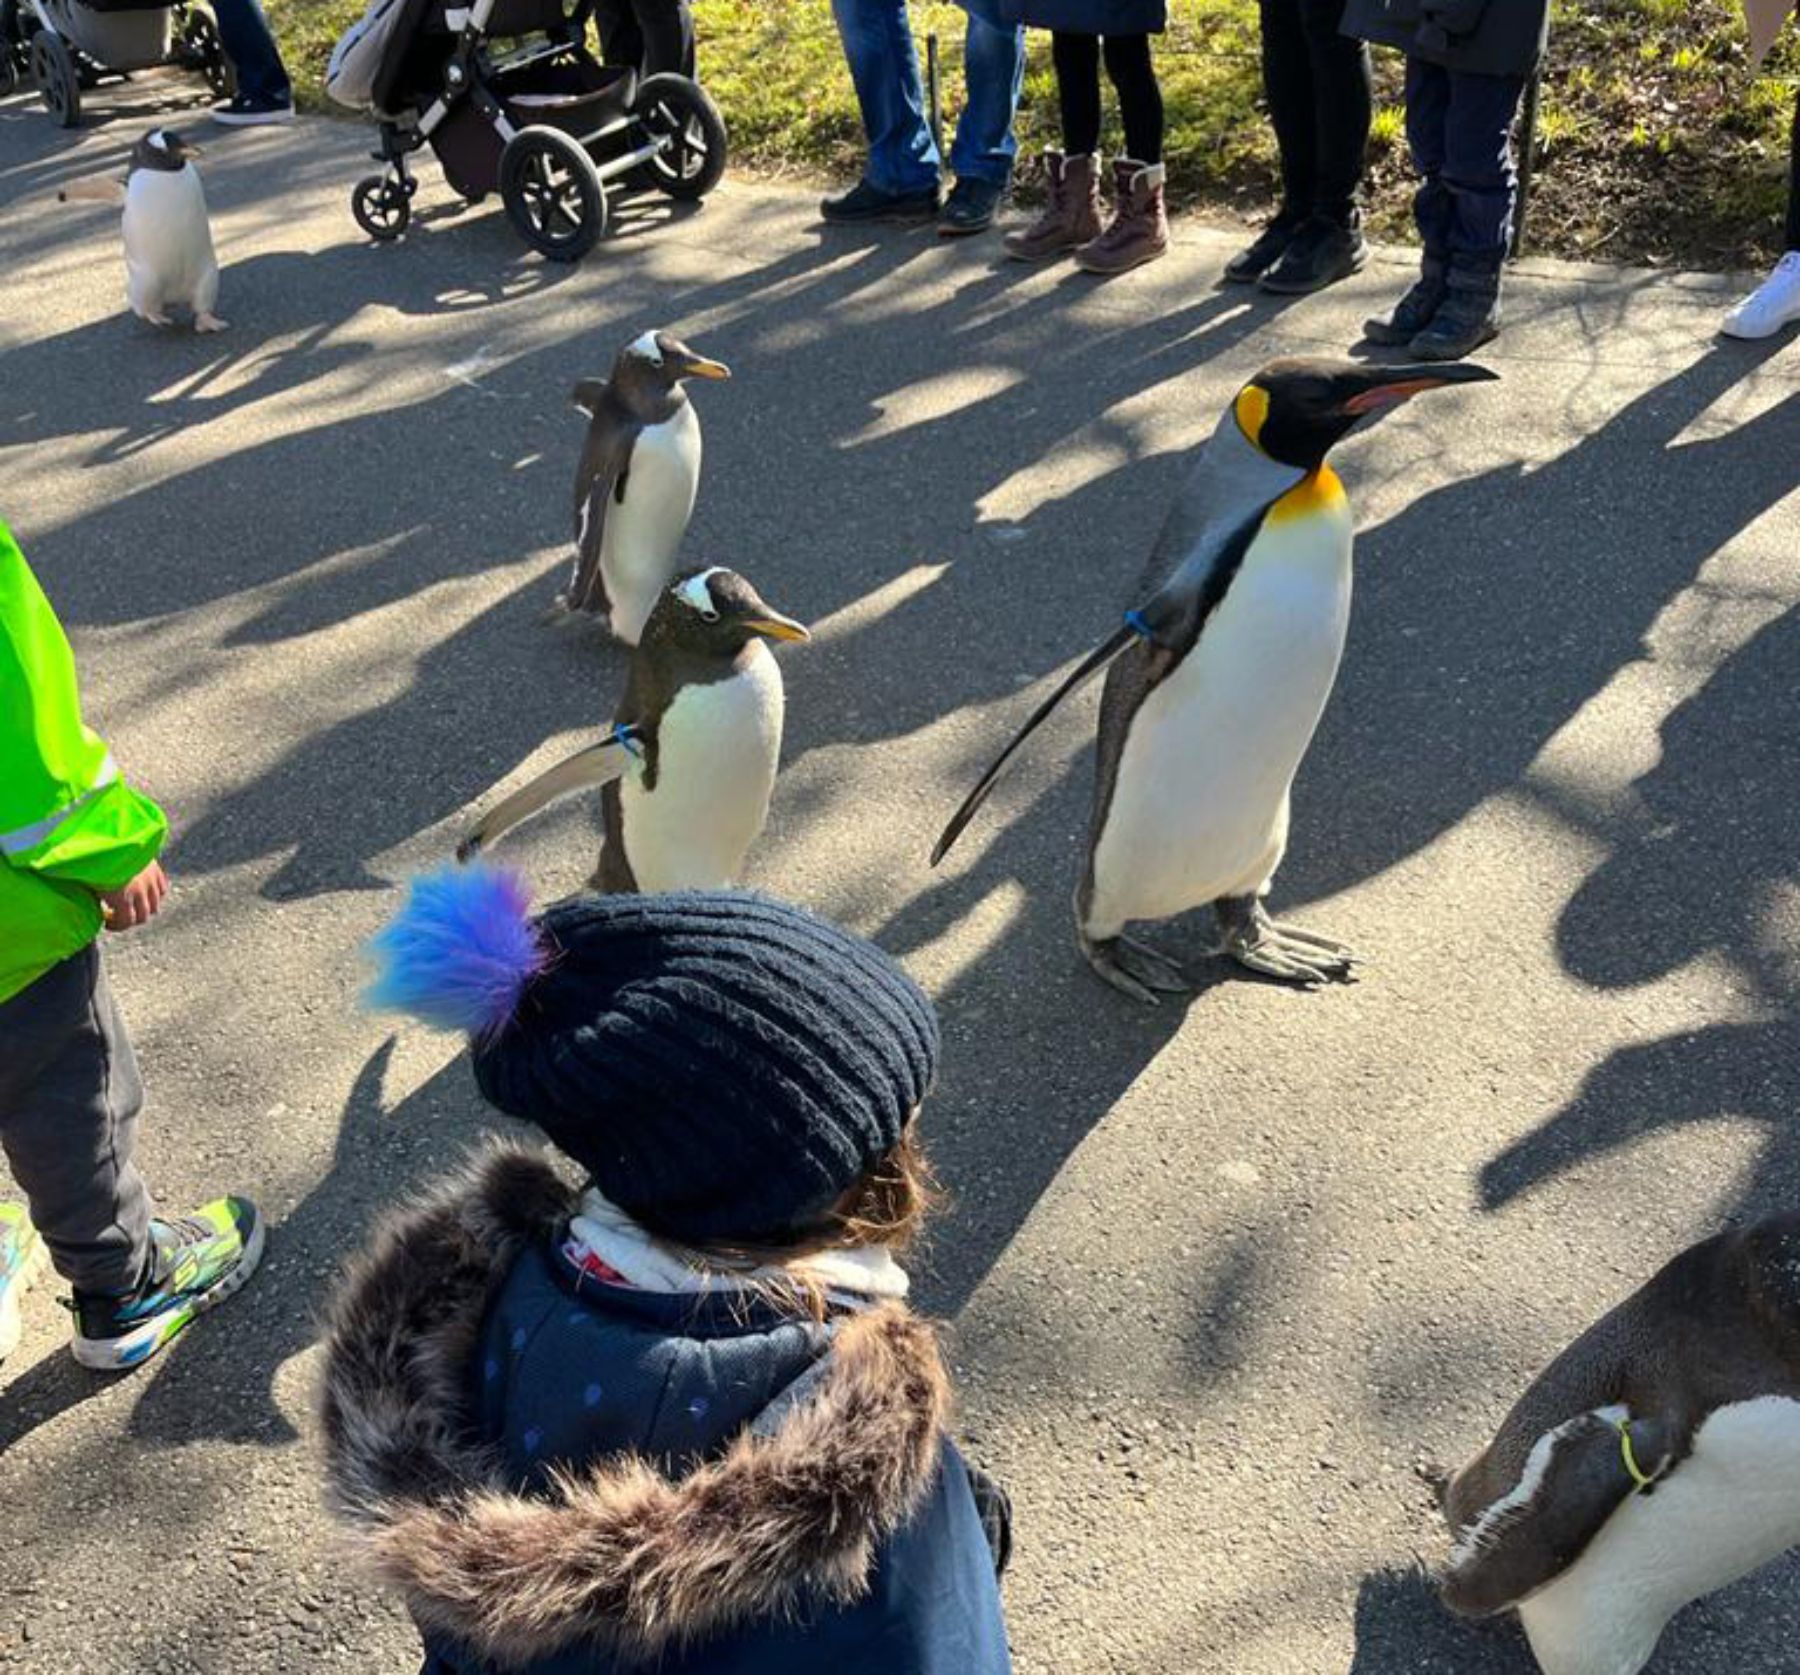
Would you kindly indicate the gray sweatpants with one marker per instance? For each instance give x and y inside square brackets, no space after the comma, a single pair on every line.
[69,1101]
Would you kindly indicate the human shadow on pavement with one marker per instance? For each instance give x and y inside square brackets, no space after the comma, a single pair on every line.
[44,1391]
[218,1381]
[1706,869]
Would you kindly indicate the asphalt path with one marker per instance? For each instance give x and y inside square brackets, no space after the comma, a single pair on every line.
[1223,1279]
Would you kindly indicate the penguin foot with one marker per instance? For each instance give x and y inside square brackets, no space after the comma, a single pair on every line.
[1300,958]
[1135,969]
[204,322]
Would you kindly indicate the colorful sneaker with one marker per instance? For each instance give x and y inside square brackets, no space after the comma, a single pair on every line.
[195,1262]
[22,1257]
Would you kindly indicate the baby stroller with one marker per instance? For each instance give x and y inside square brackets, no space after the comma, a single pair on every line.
[546,125]
[68,46]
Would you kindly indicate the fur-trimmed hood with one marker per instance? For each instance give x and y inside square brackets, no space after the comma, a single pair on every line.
[615,1555]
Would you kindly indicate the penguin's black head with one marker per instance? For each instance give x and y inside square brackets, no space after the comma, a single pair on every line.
[163,148]
[650,369]
[1297,411]
[716,613]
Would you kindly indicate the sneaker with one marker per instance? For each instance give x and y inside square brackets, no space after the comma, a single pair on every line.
[195,1262]
[252,113]
[971,207]
[1270,245]
[866,202]
[1772,305]
[22,1256]
[1468,317]
[1321,253]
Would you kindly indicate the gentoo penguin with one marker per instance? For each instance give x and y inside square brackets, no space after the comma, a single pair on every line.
[1216,683]
[168,239]
[1655,1460]
[689,763]
[636,480]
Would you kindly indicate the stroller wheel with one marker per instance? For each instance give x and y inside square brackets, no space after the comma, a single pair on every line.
[681,114]
[382,207]
[552,193]
[202,50]
[9,70]
[53,74]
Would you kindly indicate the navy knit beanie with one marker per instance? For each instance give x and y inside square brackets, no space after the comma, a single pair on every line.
[724,1065]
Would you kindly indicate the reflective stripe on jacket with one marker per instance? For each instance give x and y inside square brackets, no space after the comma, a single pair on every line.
[69,825]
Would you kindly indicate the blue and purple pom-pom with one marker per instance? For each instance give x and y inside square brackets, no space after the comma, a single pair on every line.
[460,951]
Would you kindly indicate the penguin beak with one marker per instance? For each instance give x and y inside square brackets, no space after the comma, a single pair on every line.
[775,626]
[698,366]
[1382,388]
[187,148]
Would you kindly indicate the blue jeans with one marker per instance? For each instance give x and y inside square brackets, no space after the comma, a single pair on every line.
[884,65]
[1459,127]
[244,34]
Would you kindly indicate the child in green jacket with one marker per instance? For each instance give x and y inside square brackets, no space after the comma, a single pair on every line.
[78,851]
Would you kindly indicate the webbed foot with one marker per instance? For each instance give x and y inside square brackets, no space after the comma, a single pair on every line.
[1284,952]
[1135,969]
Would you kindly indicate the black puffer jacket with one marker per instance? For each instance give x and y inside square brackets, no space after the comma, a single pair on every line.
[1489,37]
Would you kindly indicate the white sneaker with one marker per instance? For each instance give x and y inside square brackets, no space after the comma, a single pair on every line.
[1772,305]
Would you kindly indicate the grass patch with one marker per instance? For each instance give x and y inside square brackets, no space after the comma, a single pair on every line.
[1657,143]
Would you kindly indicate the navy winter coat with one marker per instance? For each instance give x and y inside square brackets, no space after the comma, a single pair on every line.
[1088,17]
[1489,37]
[734,1492]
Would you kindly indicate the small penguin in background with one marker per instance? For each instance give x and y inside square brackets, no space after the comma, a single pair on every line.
[1217,682]
[1655,1460]
[636,481]
[688,766]
[168,239]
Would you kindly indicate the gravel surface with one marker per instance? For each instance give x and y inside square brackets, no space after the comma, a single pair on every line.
[1223,1279]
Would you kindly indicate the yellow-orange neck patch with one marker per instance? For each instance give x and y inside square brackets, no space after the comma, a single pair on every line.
[1252,411]
[1318,491]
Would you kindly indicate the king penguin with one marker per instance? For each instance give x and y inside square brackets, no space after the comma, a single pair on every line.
[1654,1461]
[688,766]
[168,239]
[636,480]
[1215,684]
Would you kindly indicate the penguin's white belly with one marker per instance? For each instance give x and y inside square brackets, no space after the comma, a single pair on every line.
[718,745]
[642,537]
[1199,806]
[168,240]
[1731,1506]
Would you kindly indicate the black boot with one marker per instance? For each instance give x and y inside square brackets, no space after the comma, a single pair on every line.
[1467,318]
[1322,252]
[1416,310]
[1270,245]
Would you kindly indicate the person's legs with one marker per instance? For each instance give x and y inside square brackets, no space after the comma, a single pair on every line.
[1434,209]
[1132,72]
[69,1102]
[621,40]
[262,79]
[1293,113]
[994,71]
[1481,180]
[1343,108]
[1793,210]
[1776,302]
[884,66]
[653,35]
[1077,61]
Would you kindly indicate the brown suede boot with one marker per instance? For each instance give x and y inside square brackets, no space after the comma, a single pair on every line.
[1139,229]
[1072,216]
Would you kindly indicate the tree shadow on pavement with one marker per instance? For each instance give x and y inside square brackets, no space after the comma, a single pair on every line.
[218,1382]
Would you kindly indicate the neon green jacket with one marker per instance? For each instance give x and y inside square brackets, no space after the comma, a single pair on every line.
[69,825]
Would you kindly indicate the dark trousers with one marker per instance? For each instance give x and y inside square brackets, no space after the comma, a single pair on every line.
[1459,126]
[1133,75]
[1316,80]
[244,34]
[1793,215]
[69,1102]
[650,35]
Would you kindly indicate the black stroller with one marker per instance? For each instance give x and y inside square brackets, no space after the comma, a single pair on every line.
[546,125]
[69,46]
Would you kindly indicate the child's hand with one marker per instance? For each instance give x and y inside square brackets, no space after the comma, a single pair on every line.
[137,901]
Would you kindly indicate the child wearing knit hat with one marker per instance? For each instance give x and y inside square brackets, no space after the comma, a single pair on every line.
[678,1420]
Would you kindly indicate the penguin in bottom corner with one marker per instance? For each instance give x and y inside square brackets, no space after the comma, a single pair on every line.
[1654,1461]
[688,766]
[169,254]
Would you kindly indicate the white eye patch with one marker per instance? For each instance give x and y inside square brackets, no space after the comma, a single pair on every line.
[697,595]
[159,139]
[649,348]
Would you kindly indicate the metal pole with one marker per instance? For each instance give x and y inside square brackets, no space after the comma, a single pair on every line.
[1528,127]
[934,94]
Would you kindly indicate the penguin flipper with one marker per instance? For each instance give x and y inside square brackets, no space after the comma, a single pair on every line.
[599,485]
[1575,1479]
[1089,666]
[596,765]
